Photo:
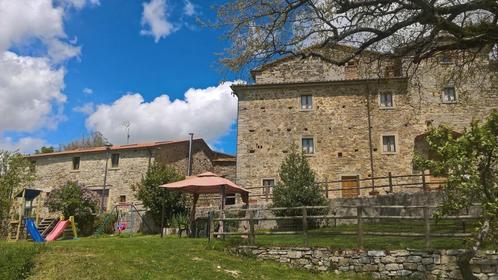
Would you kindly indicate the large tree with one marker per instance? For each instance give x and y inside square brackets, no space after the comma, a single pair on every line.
[95,139]
[156,199]
[261,30]
[15,173]
[470,162]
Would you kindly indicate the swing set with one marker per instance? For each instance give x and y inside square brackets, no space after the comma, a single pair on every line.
[127,221]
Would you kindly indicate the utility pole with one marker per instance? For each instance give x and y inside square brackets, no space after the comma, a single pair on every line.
[102,197]
[190,157]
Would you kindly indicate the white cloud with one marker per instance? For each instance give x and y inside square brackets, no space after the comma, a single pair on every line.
[208,113]
[189,9]
[155,20]
[87,108]
[24,20]
[31,93]
[88,91]
[79,4]
[23,145]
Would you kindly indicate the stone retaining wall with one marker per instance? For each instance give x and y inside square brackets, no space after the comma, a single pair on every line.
[439,264]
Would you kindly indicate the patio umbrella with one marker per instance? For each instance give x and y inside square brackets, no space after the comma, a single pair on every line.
[207,183]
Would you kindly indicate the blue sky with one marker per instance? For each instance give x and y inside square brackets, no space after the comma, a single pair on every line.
[112,62]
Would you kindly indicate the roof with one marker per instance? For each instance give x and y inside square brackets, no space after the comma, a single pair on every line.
[317,46]
[317,83]
[138,146]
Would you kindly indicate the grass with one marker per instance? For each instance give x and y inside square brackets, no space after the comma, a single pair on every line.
[150,257]
[324,237]
[16,260]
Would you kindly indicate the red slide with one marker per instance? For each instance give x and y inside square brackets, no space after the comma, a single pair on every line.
[57,231]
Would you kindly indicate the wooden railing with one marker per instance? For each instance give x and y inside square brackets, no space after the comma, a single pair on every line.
[387,184]
[360,217]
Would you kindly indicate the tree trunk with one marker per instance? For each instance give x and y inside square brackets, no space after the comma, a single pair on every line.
[463,261]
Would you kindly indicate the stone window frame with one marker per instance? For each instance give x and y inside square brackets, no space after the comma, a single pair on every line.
[301,102]
[268,179]
[443,91]
[73,163]
[396,143]
[112,160]
[314,144]
[393,106]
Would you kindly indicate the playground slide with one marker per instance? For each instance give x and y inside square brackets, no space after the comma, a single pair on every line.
[33,231]
[57,231]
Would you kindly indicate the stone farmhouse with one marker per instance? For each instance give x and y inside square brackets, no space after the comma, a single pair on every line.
[126,166]
[357,121]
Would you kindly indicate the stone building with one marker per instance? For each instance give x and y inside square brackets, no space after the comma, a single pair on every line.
[357,121]
[126,166]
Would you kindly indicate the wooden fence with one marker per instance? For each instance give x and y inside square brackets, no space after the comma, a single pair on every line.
[388,184]
[359,217]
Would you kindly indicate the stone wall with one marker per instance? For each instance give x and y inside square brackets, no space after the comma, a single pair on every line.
[270,121]
[439,264]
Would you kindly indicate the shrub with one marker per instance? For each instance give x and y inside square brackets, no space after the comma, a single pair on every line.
[17,260]
[297,187]
[75,200]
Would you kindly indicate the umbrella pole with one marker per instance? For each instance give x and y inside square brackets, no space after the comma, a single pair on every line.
[192,215]
[222,223]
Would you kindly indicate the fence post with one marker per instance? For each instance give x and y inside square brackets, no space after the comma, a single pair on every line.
[252,235]
[305,226]
[210,226]
[358,185]
[427,227]
[326,187]
[424,185]
[390,182]
[359,214]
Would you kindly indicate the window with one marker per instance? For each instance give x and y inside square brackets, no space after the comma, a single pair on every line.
[386,100]
[76,163]
[122,198]
[268,183]
[230,199]
[306,102]
[114,160]
[308,145]
[389,144]
[449,95]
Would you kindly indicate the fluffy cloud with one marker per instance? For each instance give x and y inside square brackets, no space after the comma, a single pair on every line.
[87,108]
[31,93]
[31,88]
[24,20]
[155,20]
[208,113]
[87,91]
[23,145]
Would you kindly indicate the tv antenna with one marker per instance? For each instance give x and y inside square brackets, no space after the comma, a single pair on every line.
[127,124]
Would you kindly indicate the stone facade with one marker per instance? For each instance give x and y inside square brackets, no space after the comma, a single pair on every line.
[271,119]
[55,169]
[409,264]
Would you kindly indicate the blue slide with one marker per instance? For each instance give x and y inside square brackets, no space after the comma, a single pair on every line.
[33,231]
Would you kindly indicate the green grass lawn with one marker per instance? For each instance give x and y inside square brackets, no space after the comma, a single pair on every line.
[150,257]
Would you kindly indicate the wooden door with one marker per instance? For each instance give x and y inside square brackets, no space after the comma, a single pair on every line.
[350,186]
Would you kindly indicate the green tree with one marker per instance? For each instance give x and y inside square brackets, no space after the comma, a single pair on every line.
[155,198]
[44,150]
[297,185]
[15,174]
[75,200]
[470,164]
